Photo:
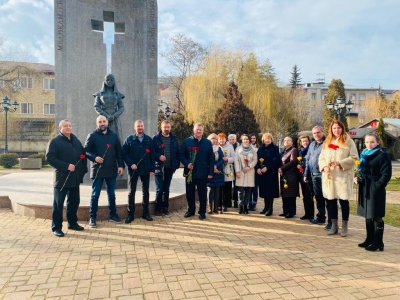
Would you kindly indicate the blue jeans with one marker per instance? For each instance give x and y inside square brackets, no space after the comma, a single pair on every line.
[322,203]
[244,195]
[254,192]
[163,184]
[145,178]
[111,183]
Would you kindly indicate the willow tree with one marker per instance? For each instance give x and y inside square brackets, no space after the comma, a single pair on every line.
[335,90]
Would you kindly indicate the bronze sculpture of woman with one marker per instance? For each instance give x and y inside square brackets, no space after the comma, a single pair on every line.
[108,102]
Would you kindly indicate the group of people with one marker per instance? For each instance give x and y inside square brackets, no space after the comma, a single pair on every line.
[238,172]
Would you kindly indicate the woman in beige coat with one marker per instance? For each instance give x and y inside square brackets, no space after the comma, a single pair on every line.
[336,161]
[245,161]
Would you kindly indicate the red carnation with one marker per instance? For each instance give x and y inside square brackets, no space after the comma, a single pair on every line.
[82,156]
[147,150]
[108,145]
[301,170]
[162,145]
[332,146]
[246,160]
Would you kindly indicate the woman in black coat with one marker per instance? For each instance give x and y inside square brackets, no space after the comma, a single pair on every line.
[375,171]
[269,160]
[306,188]
[289,178]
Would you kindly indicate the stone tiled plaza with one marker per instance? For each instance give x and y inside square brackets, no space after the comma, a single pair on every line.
[227,256]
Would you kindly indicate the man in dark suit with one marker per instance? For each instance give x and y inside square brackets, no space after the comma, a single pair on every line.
[197,156]
[65,154]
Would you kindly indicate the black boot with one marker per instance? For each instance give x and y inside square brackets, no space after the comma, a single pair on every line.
[369,225]
[270,207]
[240,209]
[377,244]
[245,210]
[235,204]
[265,207]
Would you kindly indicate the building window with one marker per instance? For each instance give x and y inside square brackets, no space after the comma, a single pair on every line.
[352,97]
[25,82]
[314,96]
[49,109]
[362,96]
[26,108]
[48,83]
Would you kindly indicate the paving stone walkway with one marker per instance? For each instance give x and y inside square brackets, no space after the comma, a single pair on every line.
[226,256]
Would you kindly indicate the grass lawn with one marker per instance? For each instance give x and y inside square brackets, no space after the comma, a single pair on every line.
[393,185]
[392,213]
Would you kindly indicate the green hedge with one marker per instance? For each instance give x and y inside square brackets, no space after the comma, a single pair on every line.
[8,160]
[40,155]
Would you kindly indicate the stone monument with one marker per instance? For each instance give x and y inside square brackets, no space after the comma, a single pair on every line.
[81,60]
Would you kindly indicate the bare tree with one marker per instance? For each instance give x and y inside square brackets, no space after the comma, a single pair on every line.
[184,57]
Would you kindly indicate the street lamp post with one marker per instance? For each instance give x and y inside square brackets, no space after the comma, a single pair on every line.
[168,112]
[7,106]
[339,105]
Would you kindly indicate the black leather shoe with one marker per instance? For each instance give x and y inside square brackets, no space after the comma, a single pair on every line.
[147,217]
[305,217]
[282,215]
[289,216]
[202,216]
[58,233]
[76,227]
[129,219]
[188,214]
[225,208]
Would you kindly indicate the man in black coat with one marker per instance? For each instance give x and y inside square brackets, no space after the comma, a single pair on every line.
[197,170]
[138,154]
[103,149]
[65,154]
[166,148]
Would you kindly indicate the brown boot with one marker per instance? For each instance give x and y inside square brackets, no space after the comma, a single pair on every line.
[215,209]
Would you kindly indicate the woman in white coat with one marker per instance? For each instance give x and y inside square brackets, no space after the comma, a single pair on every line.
[336,161]
[245,161]
[228,170]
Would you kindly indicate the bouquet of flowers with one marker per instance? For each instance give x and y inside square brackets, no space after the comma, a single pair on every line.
[137,165]
[192,154]
[301,164]
[105,152]
[81,156]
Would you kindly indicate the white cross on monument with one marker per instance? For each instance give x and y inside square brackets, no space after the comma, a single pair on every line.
[108,32]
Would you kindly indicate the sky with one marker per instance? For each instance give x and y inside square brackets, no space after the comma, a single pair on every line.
[356,41]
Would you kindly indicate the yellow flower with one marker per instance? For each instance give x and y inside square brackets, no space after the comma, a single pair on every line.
[261,159]
[357,162]
[285,186]
[299,158]
[231,174]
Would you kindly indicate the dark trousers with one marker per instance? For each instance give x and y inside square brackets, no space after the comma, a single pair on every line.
[145,191]
[322,203]
[333,209]
[73,199]
[163,184]
[201,185]
[111,183]
[244,195]
[254,192]
[225,198]
[235,196]
[214,196]
[307,199]
[289,205]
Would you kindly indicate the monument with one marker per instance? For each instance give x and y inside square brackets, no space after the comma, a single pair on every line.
[81,60]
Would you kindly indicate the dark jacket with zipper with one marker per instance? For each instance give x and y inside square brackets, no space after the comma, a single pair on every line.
[204,162]
[134,151]
[96,145]
[60,153]
[157,142]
